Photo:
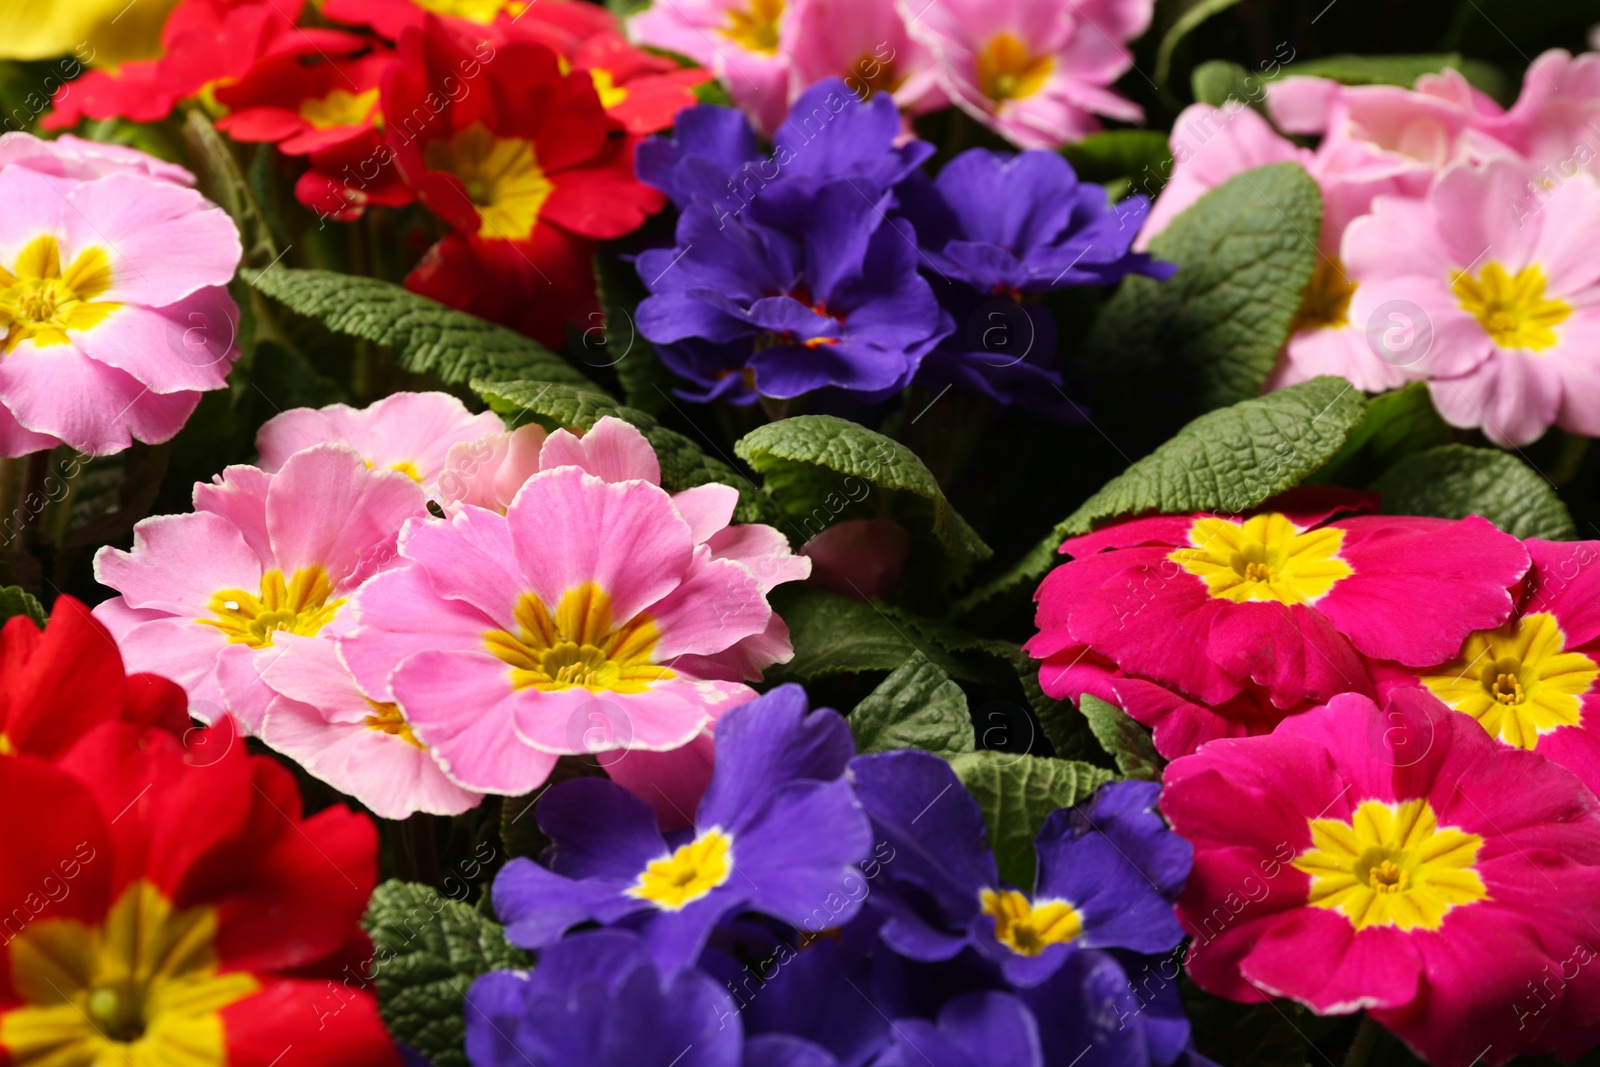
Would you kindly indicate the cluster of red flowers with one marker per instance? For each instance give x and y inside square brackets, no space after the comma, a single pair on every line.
[163,900]
[513,122]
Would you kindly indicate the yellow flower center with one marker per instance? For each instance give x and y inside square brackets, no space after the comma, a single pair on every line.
[755,27]
[7,748]
[1028,927]
[579,646]
[340,108]
[1519,680]
[502,178]
[40,302]
[386,718]
[1008,71]
[1391,865]
[691,872]
[1265,558]
[1325,304]
[299,606]
[141,989]
[482,12]
[607,89]
[873,75]
[1512,309]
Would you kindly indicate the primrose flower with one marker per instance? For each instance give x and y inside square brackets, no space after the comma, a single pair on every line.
[1531,681]
[319,717]
[72,157]
[304,107]
[501,636]
[996,226]
[1508,301]
[778,832]
[62,682]
[787,276]
[210,598]
[1283,597]
[412,433]
[1034,71]
[202,912]
[205,45]
[1398,861]
[114,316]
[524,166]
[597,1000]
[746,43]
[1107,873]
[868,47]
[973,1030]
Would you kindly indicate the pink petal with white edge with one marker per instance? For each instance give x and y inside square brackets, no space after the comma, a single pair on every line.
[388,774]
[164,241]
[327,508]
[469,559]
[16,440]
[239,494]
[706,508]
[626,537]
[747,660]
[58,390]
[418,429]
[178,563]
[611,450]
[181,650]
[397,614]
[460,705]
[764,551]
[576,721]
[188,345]
[156,417]
[717,603]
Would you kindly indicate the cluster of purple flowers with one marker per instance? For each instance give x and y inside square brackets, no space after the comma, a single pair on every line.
[836,263]
[833,910]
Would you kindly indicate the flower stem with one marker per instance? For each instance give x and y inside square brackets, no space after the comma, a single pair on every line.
[1368,1035]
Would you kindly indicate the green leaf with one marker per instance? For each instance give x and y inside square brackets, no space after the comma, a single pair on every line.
[683,464]
[1123,739]
[788,453]
[1398,424]
[422,335]
[1454,481]
[1403,70]
[1218,81]
[624,8]
[15,600]
[836,635]
[1109,154]
[1161,353]
[1226,461]
[1016,794]
[713,92]
[1194,14]
[917,706]
[427,950]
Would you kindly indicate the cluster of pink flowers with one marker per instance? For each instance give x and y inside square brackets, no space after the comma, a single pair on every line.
[1383,734]
[106,336]
[1452,246]
[1033,70]
[421,607]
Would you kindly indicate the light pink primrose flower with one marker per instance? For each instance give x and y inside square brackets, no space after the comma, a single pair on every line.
[113,308]
[866,43]
[746,43]
[1036,71]
[73,157]
[598,614]
[408,432]
[211,599]
[1511,304]
[320,718]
